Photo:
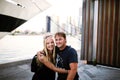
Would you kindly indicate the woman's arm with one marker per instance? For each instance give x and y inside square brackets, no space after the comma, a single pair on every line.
[43,59]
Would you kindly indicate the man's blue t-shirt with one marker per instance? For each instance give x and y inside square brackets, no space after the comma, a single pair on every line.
[64,58]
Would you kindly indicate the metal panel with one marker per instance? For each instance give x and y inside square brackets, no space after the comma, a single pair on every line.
[87,34]
[108,32]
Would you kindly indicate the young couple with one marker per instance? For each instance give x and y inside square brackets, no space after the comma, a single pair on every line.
[60,58]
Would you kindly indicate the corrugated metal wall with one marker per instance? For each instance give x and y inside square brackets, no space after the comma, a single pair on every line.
[87,30]
[108,32]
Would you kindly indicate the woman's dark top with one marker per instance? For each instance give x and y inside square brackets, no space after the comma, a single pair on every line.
[41,72]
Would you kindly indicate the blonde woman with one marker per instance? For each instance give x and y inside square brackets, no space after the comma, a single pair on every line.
[41,71]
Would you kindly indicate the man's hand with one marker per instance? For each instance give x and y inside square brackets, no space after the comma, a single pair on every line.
[41,57]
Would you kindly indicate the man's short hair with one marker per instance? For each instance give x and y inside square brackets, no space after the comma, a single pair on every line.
[62,34]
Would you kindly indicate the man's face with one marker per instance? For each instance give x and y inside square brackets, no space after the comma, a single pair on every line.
[60,41]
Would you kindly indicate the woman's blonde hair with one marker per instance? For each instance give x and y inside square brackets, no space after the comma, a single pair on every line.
[45,48]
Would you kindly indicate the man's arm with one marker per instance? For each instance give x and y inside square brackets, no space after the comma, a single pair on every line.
[52,67]
[43,59]
[72,71]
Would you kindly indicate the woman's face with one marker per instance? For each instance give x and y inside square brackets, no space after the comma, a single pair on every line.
[50,44]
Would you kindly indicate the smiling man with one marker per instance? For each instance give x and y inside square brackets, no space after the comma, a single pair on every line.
[66,58]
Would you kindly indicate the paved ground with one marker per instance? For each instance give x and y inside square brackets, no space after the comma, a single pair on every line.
[21,71]
[16,71]
[90,72]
